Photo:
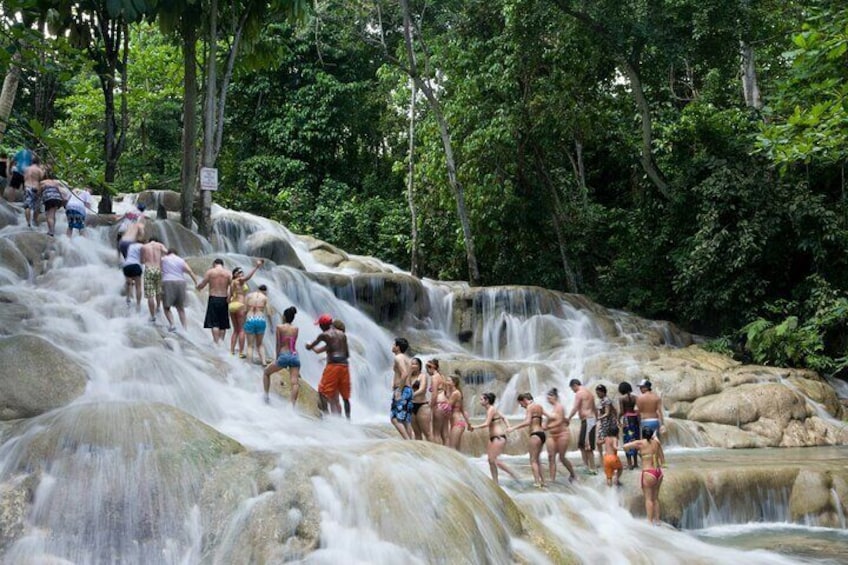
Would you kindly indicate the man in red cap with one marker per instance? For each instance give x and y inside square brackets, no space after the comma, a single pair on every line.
[335,380]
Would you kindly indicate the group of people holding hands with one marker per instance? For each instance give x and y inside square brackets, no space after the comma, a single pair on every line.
[425,405]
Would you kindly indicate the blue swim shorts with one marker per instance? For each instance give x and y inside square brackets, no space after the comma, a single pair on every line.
[288,360]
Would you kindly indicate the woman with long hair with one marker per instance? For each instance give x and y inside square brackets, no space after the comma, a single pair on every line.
[439,404]
[652,475]
[558,437]
[422,421]
[497,425]
[459,417]
[237,307]
[286,334]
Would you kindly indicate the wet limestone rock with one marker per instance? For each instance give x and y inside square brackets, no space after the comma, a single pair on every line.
[14,498]
[152,199]
[36,377]
[323,252]
[9,215]
[12,259]
[174,235]
[36,247]
[307,397]
[272,247]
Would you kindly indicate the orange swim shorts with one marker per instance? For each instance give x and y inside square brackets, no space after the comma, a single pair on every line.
[334,381]
[611,464]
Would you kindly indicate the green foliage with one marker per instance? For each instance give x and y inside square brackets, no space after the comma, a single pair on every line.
[809,110]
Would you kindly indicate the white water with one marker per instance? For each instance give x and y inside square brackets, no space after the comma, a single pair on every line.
[77,306]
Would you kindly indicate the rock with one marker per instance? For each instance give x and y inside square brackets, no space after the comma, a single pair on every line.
[390,299]
[35,247]
[152,199]
[12,259]
[173,235]
[810,495]
[327,258]
[9,215]
[749,403]
[14,496]
[12,313]
[273,248]
[307,397]
[36,377]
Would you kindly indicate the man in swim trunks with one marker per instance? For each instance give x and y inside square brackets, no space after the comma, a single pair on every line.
[76,208]
[335,380]
[217,319]
[151,258]
[401,411]
[134,232]
[33,175]
[584,405]
[649,407]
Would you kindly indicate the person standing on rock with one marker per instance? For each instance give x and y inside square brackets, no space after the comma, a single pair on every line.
[584,405]
[559,437]
[422,421]
[401,412]
[151,257]
[33,175]
[218,278]
[174,287]
[629,420]
[237,308]
[132,274]
[533,419]
[130,228]
[76,208]
[256,322]
[335,381]
[51,196]
[459,416]
[606,419]
[286,357]
[649,407]
[20,162]
[497,426]
[653,460]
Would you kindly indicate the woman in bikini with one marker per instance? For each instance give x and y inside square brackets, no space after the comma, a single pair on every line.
[439,404]
[237,308]
[497,426]
[422,421]
[629,420]
[286,355]
[558,437]
[652,476]
[535,413]
[459,417]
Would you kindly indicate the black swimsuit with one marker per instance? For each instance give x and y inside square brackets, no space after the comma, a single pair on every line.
[493,438]
[416,406]
[541,434]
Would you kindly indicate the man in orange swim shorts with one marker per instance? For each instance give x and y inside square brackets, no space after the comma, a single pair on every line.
[335,380]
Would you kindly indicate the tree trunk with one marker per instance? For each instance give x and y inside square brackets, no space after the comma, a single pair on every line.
[188,176]
[750,88]
[410,183]
[581,172]
[444,133]
[10,90]
[209,114]
[647,156]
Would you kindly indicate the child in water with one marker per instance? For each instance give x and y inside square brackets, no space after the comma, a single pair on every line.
[612,463]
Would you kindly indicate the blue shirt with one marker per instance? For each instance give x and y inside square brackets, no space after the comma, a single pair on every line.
[23,159]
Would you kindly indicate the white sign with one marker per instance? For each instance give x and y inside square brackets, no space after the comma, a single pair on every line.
[208,179]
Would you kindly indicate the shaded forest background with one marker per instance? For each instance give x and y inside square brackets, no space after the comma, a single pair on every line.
[681,159]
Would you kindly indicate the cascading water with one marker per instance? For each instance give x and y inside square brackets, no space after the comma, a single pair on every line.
[170,455]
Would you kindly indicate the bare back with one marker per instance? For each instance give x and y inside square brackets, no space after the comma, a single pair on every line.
[218,278]
[151,254]
[256,303]
[648,405]
[33,175]
[286,338]
[337,352]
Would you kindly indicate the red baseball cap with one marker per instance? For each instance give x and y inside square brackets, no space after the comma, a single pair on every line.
[324,320]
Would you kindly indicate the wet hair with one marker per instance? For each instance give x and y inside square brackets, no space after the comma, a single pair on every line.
[218,261]
[237,271]
[417,360]
[525,396]
[434,362]
[288,314]
[553,392]
[601,388]
[339,325]
[574,382]
[402,344]
[647,433]
[262,287]
[612,431]
[490,397]
[149,239]
[625,388]
[172,251]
